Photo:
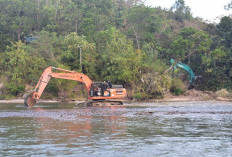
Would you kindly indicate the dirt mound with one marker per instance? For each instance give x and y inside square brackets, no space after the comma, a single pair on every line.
[199,95]
[222,93]
[194,93]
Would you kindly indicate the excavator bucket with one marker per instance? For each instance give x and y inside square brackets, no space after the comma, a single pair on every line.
[29,101]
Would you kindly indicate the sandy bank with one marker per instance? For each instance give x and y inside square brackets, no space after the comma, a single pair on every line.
[190,95]
[170,99]
[21,101]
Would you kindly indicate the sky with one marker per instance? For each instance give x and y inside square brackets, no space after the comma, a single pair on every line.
[208,10]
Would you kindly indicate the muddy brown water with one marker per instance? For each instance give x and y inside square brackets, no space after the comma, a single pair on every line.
[138,129]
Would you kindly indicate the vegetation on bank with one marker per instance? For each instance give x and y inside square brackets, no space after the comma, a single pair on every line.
[124,42]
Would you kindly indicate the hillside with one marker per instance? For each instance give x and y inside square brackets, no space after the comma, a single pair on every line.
[124,42]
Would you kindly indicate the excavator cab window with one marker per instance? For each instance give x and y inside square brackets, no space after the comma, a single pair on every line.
[98,89]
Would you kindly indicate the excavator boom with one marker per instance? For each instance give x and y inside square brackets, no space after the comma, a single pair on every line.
[186,68]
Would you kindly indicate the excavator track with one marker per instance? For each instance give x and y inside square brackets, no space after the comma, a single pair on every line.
[101,103]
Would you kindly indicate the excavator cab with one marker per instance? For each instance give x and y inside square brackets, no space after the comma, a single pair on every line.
[105,89]
[99,89]
[101,92]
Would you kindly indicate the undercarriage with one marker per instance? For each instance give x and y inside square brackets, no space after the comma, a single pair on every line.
[100,103]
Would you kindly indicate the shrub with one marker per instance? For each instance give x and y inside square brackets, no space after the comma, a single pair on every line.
[2,97]
[222,93]
[177,87]
[154,85]
[14,89]
[140,96]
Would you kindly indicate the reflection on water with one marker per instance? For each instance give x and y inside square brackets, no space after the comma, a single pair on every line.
[174,129]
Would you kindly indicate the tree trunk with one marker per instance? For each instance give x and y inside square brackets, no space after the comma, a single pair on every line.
[76,25]
[19,34]
[137,38]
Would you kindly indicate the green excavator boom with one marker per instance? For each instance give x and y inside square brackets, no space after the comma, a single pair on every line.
[185,67]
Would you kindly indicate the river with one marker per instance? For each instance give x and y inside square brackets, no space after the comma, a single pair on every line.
[200,128]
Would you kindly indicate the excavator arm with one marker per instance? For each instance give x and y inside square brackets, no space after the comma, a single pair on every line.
[188,70]
[58,73]
[191,76]
[184,67]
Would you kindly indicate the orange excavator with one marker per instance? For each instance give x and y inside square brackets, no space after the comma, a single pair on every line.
[99,93]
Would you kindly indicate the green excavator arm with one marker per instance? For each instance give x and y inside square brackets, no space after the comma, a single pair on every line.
[191,76]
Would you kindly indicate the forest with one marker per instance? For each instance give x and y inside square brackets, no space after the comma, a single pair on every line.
[122,41]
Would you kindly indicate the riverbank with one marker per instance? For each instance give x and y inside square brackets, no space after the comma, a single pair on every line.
[21,101]
[190,95]
[194,95]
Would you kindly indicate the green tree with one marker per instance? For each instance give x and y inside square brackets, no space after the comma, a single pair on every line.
[228,6]
[47,46]
[18,16]
[120,63]
[216,73]
[20,67]
[225,31]
[98,15]
[79,54]
[181,12]
[141,25]
[190,42]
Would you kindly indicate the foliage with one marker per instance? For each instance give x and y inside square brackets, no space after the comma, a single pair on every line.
[15,62]
[14,89]
[47,45]
[228,6]
[140,96]
[141,23]
[79,54]
[154,85]
[190,42]
[177,87]
[225,31]
[120,62]
[181,12]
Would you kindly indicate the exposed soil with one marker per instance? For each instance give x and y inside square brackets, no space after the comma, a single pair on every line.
[21,101]
[194,95]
